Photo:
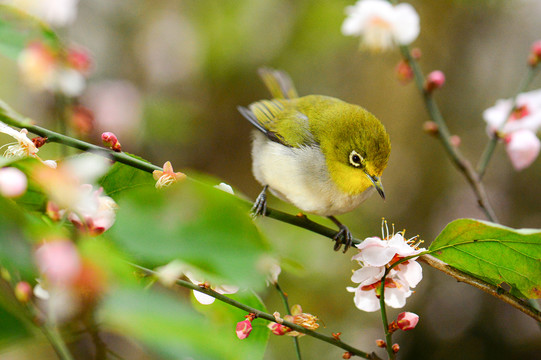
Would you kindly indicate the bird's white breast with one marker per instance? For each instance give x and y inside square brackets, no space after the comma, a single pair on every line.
[300,176]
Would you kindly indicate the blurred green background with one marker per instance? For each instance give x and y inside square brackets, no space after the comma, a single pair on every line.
[168,76]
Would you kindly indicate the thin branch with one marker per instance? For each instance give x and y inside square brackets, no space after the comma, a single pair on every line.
[482,285]
[10,117]
[385,321]
[284,297]
[443,132]
[493,142]
[267,316]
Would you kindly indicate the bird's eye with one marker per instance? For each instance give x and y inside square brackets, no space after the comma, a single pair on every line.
[355,159]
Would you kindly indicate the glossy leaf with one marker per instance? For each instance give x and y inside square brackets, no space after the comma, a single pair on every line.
[494,253]
[122,177]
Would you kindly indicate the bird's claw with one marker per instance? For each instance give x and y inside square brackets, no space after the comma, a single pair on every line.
[260,204]
[343,236]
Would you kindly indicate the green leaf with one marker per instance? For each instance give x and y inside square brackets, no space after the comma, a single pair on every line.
[195,223]
[165,324]
[224,318]
[18,28]
[122,177]
[494,253]
[15,248]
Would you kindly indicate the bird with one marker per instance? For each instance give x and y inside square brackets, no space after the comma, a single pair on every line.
[319,153]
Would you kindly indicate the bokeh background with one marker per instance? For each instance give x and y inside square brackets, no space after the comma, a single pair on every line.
[168,76]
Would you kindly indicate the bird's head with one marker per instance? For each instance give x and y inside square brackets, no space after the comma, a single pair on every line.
[356,149]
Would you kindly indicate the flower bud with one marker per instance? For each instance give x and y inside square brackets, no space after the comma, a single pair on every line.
[431,128]
[404,72]
[79,59]
[416,53]
[23,291]
[455,140]
[13,182]
[347,355]
[407,320]
[53,211]
[381,343]
[39,141]
[110,140]
[535,54]
[395,348]
[244,328]
[434,80]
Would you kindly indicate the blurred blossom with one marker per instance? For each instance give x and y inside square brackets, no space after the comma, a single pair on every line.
[523,147]
[45,68]
[117,107]
[13,182]
[307,321]
[63,185]
[518,131]
[58,261]
[434,80]
[171,272]
[527,114]
[381,25]
[82,119]
[23,291]
[207,299]
[96,214]
[54,12]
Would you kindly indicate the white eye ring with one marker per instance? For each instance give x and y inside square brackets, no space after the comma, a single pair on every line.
[355,159]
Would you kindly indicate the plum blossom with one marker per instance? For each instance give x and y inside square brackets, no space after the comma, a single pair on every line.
[171,272]
[298,317]
[407,321]
[13,182]
[24,147]
[376,256]
[96,214]
[380,24]
[244,328]
[517,126]
[522,148]
[167,177]
[45,68]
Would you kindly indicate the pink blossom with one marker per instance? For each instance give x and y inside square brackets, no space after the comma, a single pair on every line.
[278,329]
[13,182]
[111,141]
[522,148]
[96,214]
[58,261]
[244,328]
[407,320]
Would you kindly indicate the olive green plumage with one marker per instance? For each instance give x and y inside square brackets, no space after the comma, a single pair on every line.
[320,153]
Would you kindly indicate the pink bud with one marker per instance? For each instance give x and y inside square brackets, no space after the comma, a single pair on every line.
[278,329]
[13,182]
[535,53]
[395,348]
[23,291]
[434,80]
[381,343]
[523,148]
[244,328]
[110,140]
[455,140]
[404,72]
[58,261]
[79,59]
[407,320]
[53,211]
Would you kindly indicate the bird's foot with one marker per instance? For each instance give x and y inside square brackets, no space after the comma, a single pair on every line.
[343,236]
[260,204]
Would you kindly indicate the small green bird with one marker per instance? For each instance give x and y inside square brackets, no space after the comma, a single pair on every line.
[319,153]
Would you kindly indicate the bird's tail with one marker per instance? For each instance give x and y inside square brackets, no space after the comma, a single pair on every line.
[278,82]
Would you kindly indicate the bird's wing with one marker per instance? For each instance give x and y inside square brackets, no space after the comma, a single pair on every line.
[280,122]
[278,83]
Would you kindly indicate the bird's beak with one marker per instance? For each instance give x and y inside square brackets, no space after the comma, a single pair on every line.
[377,184]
